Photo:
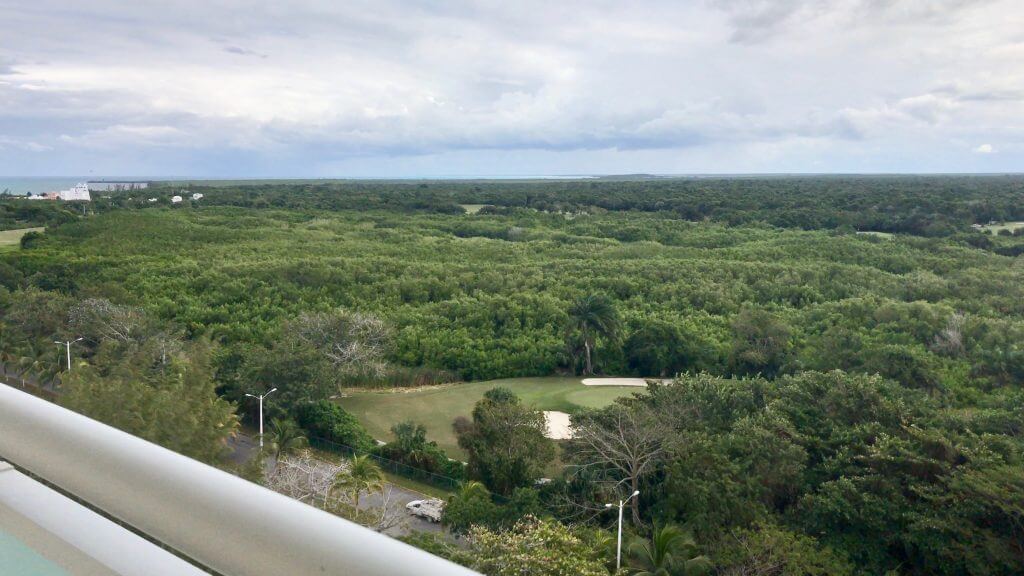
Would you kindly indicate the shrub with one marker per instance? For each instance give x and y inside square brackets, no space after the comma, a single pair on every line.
[325,420]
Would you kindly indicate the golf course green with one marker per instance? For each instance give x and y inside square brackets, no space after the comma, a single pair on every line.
[436,407]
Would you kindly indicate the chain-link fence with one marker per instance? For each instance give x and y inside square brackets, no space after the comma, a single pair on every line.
[395,467]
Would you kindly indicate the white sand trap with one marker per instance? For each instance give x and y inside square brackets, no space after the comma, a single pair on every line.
[615,382]
[558,425]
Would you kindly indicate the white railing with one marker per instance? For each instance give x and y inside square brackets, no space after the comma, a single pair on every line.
[232,526]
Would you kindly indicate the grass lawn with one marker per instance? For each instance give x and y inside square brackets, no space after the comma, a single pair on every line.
[10,239]
[887,235]
[995,228]
[473,208]
[436,407]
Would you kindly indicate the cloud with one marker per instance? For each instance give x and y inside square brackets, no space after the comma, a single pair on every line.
[243,51]
[732,84]
[985,149]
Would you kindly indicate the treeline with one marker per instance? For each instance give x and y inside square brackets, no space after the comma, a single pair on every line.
[920,205]
[21,213]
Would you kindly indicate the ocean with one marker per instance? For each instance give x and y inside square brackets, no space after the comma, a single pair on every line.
[37,185]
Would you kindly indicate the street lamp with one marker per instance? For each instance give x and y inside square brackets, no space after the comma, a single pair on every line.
[261,397]
[618,552]
[67,345]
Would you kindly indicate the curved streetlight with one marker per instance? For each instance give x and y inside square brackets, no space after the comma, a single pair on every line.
[67,345]
[261,397]
[618,550]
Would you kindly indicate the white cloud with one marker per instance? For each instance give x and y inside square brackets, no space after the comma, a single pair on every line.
[730,85]
[985,149]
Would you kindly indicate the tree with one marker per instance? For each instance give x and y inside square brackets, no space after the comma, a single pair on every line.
[412,447]
[657,348]
[36,314]
[535,547]
[505,442]
[364,475]
[327,421]
[769,550]
[618,446]
[352,343]
[172,404]
[593,316]
[671,551]
[760,342]
[30,239]
[285,438]
[470,506]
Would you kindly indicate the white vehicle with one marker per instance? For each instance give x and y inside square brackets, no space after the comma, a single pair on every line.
[427,509]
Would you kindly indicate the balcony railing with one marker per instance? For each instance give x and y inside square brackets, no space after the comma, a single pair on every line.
[220,521]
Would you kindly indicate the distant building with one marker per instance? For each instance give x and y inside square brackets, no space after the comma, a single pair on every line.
[79,193]
[117,186]
[175,199]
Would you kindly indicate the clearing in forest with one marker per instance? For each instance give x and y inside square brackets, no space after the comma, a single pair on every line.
[437,406]
[11,238]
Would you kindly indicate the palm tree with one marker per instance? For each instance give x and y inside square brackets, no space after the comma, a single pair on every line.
[364,475]
[36,362]
[592,316]
[285,438]
[473,488]
[671,551]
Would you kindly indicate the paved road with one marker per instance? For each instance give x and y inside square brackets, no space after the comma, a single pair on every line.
[244,447]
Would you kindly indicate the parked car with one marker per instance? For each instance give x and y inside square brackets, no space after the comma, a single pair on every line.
[427,509]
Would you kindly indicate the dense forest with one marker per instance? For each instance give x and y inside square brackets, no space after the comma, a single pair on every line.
[922,205]
[843,402]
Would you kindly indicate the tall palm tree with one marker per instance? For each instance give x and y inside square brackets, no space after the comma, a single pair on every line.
[671,551]
[592,316]
[285,438]
[364,475]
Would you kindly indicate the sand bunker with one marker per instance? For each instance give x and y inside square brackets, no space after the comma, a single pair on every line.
[615,382]
[559,427]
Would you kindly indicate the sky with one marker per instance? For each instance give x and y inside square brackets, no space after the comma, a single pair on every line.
[383,88]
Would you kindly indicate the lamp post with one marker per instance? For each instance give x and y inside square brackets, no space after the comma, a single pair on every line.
[67,345]
[261,397]
[618,550]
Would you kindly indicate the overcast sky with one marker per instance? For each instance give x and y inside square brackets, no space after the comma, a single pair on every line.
[332,88]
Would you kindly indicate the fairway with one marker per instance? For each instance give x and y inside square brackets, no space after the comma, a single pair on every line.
[997,228]
[11,238]
[436,407]
[473,208]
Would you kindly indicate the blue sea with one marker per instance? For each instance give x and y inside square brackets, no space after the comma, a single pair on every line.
[37,185]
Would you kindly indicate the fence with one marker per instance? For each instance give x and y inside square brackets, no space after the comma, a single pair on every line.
[395,467]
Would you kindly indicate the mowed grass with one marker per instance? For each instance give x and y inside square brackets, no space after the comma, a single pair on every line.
[10,239]
[437,407]
[887,235]
[996,228]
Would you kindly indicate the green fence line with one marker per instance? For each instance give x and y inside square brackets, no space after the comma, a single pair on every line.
[393,466]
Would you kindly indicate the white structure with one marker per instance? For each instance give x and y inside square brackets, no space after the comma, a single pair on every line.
[151,200]
[196,196]
[80,192]
[175,199]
